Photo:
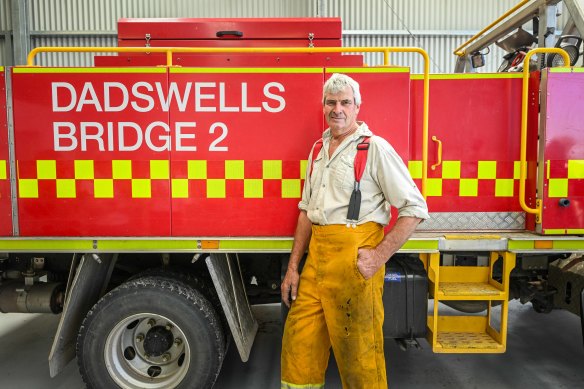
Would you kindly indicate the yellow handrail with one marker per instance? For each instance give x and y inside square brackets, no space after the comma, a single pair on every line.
[468,42]
[523,157]
[250,50]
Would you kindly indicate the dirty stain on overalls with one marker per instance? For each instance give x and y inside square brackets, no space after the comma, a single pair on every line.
[336,307]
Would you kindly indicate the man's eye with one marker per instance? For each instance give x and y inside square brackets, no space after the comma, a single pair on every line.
[346,102]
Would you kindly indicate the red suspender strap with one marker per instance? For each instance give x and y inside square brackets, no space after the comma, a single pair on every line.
[315,151]
[355,201]
[361,158]
[359,164]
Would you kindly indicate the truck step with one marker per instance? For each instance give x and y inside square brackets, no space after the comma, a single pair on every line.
[469,333]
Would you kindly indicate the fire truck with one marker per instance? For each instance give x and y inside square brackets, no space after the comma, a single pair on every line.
[152,198]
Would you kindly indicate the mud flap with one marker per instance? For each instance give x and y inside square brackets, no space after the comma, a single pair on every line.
[227,279]
[87,283]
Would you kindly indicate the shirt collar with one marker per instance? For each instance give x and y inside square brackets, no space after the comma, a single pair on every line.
[362,130]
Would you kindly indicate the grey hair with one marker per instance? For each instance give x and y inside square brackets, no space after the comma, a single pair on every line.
[337,83]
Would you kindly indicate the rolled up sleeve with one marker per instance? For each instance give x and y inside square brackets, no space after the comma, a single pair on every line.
[397,184]
[306,190]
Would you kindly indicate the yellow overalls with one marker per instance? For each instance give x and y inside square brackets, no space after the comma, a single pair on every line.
[336,307]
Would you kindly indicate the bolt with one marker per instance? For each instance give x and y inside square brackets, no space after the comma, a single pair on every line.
[151,322]
[165,357]
[177,341]
[168,327]
[139,337]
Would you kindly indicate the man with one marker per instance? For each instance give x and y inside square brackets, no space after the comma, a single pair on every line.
[338,300]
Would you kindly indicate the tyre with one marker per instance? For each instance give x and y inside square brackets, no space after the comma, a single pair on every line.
[202,285]
[151,333]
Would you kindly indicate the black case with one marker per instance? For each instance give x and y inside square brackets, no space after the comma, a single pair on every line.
[405,298]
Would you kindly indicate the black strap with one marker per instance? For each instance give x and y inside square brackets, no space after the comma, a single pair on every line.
[359,165]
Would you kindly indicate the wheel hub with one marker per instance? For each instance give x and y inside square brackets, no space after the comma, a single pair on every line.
[147,350]
[157,341]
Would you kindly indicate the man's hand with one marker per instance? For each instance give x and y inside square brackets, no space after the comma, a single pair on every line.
[369,262]
[290,286]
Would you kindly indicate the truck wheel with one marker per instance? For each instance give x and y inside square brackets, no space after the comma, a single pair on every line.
[199,284]
[151,333]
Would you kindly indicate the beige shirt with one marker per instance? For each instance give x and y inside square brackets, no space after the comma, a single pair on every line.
[386,182]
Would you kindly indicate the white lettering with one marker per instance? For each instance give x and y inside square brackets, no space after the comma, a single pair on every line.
[244,107]
[107,91]
[58,136]
[85,136]
[173,93]
[222,106]
[139,95]
[272,96]
[214,146]
[179,136]
[55,96]
[92,100]
[165,138]
[200,96]
[110,136]
[121,136]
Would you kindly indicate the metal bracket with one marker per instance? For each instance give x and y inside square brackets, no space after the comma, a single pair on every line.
[311,39]
[90,280]
[227,279]
[12,155]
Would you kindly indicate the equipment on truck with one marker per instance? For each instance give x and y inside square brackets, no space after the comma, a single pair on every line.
[153,203]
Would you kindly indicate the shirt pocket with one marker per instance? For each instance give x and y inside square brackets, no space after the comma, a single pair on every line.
[345,175]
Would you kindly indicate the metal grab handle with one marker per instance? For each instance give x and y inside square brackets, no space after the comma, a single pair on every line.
[221,34]
[433,167]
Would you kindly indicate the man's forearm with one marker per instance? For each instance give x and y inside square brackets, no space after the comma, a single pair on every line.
[301,240]
[395,239]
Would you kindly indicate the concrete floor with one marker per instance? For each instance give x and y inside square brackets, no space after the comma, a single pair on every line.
[544,351]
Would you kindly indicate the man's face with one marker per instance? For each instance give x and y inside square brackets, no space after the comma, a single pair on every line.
[340,111]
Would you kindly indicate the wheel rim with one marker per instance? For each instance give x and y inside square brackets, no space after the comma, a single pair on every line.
[147,351]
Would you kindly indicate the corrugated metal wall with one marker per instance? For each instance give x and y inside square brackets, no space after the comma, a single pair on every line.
[5,28]
[439,49]
[102,15]
[96,20]
[5,15]
[438,26]
[418,14]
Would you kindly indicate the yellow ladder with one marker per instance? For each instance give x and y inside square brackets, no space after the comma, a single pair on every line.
[468,333]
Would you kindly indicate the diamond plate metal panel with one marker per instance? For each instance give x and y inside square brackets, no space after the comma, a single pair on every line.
[478,221]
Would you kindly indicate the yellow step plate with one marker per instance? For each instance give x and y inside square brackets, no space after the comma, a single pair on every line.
[467,340]
[468,289]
